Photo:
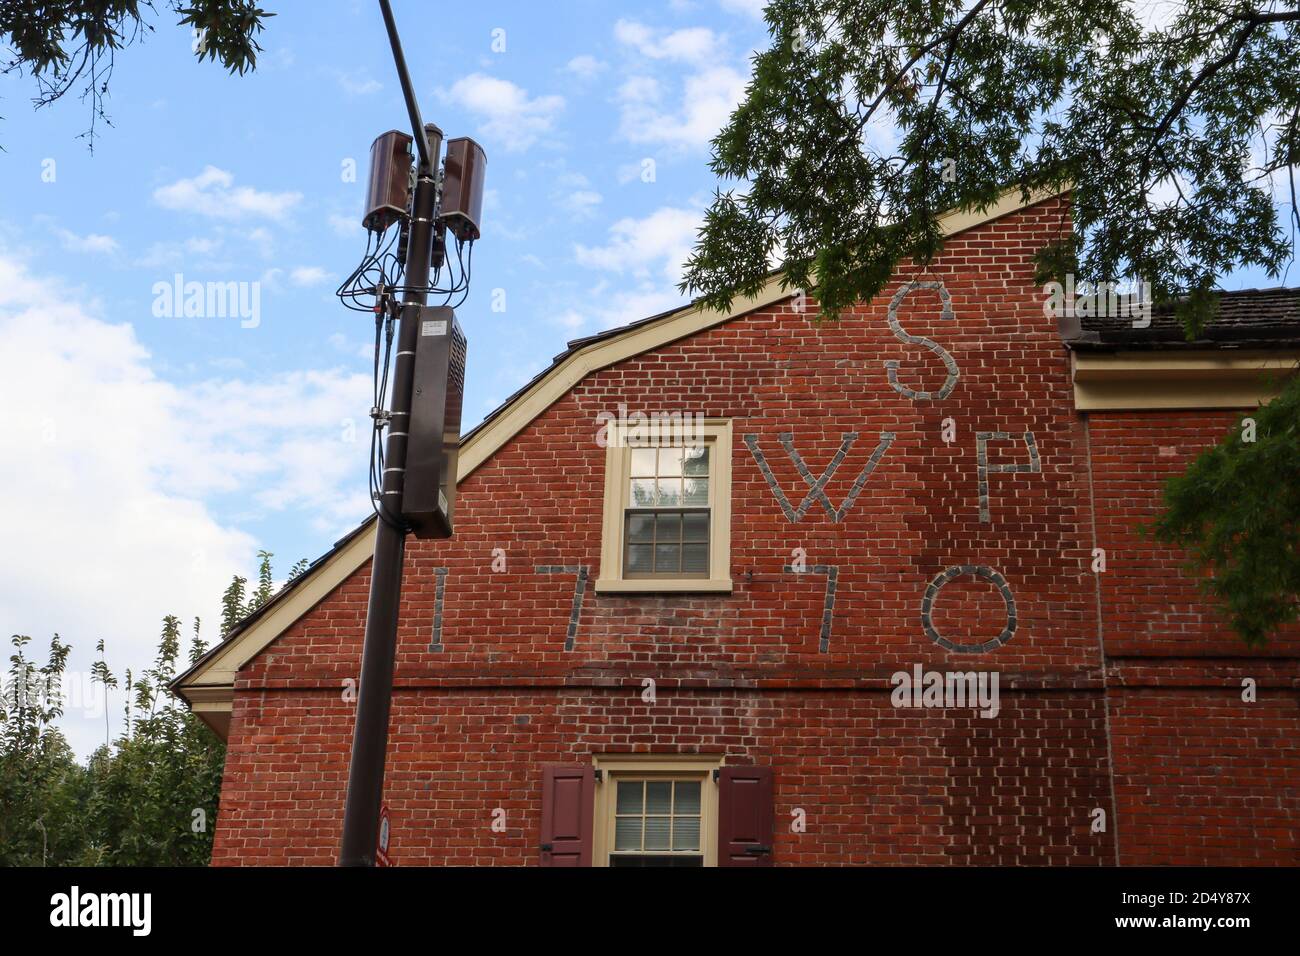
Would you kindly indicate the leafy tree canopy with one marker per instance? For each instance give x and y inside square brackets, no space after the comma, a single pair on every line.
[68,45]
[1237,513]
[867,119]
[147,798]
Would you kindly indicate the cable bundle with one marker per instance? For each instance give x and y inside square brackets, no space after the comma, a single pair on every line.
[374,286]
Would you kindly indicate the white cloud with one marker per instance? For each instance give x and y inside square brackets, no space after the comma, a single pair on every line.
[202,246]
[506,112]
[709,90]
[213,193]
[639,90]
[341,343]
[261,238]
[688,45]
[346,226]
[271,279]
[358,83]
[117,471]
[171,252]
[309,275]
[284,441]
[708,99]
[627,172]
[573,320]
[661,240]
[585,66]
[567,178]
[753,8]
[91,242]
[608,308]
[651,251]
[629,305]
[583,202]
[281,58]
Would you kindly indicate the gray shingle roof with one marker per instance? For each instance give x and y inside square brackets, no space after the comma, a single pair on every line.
[1245,319]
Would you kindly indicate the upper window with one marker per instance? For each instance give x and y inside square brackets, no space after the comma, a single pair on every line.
[666,529]
[667,510]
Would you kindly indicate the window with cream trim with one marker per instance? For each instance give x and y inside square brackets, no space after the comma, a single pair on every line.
[654,810]
[667,521]
[657,821]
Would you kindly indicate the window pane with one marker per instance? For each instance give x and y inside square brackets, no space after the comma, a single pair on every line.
[643,462]
[695,526]
[697,491]
[687,797]
[668,528]
[670,461]
[659,796]
[695,558]
[643,492]
[696,461]
[640,558]
[641,528]
[658,820]
[629,796]
[668,557]
[657,836]
[670,492]
[627,833]
[686,833]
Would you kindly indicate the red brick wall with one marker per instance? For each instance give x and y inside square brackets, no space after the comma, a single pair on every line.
[1150,605]
[742,674]
[878,785]
[1201,775]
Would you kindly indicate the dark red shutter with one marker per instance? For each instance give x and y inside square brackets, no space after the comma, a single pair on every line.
[568,800]
[746,816]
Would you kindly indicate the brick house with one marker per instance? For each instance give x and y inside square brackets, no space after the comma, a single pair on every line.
[678,639]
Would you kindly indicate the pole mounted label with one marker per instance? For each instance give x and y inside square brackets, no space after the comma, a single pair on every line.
[381,844]
[433,327]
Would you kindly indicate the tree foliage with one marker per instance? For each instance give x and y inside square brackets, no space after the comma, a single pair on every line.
[68,45]
[265,587]
[41,785]
[866,120]
[135,802]
[1236,511]
[232,604]
[148,798]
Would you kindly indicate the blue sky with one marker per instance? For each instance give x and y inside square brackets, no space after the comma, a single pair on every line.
[147,457]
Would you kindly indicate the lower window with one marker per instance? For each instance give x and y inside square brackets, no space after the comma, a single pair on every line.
[655,810]
[657,822]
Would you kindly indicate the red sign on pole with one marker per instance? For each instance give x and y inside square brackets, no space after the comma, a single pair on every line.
[385,828]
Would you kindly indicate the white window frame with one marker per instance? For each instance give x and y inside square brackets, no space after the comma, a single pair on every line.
[615,767]
[618,464]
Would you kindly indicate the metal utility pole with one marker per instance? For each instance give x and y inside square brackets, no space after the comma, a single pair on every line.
[374,700]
